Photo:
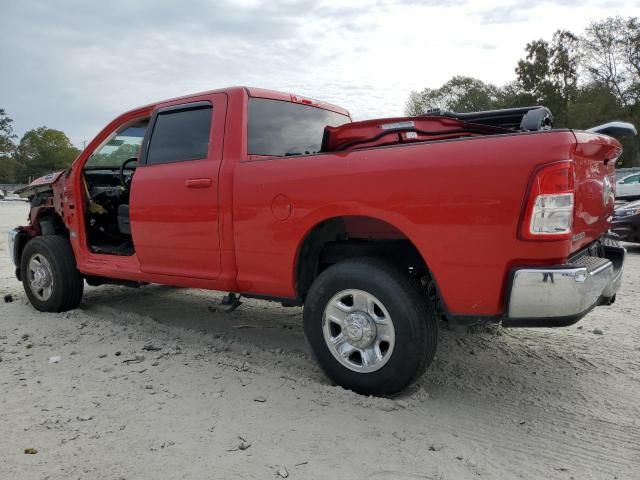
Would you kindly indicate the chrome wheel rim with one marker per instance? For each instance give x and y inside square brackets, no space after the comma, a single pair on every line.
[358,331]
[40,277]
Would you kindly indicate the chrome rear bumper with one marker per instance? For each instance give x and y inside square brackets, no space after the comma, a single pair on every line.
[561,295]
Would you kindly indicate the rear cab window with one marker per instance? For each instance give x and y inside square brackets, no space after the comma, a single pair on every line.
[280,128]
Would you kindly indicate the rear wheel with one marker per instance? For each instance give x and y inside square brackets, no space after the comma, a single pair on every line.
[49,274]
[370,326]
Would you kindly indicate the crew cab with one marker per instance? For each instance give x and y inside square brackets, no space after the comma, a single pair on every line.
[380,228]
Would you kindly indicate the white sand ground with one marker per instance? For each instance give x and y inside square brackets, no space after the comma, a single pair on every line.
[499,404]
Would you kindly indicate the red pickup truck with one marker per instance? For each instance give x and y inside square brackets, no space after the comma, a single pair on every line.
[379,228]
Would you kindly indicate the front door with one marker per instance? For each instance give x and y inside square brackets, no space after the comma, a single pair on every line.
[174,191]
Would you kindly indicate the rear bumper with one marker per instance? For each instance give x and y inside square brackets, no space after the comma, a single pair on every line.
[560,295]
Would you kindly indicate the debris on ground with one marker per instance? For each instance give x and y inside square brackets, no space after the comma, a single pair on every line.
[242,445]
[283,473]
[54,359]
[30,451]
[8,298]
[136,359]
[597,331]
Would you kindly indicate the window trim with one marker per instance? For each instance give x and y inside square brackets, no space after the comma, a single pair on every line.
[182,107]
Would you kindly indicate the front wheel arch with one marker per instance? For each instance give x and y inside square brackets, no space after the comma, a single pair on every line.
[55,267]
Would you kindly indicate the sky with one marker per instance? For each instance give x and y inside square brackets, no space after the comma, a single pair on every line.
[74,65]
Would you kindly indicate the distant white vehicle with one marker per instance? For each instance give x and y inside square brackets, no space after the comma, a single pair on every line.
[628,186]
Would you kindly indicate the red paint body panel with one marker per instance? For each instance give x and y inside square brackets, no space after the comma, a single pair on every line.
[459,201]
[174,225]
[595,157]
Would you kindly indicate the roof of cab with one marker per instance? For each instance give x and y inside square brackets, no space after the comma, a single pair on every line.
[257,93]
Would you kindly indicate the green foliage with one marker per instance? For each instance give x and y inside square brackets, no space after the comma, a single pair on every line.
[549,73]
[612,52]
[585,80]
[7,148]
[44,150]
[460,94]
[6,134]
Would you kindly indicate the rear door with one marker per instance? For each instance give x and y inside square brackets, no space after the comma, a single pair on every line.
[174,192]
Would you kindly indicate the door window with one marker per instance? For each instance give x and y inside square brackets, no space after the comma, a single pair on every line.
[180,135]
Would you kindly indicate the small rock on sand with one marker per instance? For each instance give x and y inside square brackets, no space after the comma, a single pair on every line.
[30,451]
[54,359]
[283,473]
[260,399]
[597,331]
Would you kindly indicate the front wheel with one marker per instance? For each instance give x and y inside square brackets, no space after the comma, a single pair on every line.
[49,274]
[370,326]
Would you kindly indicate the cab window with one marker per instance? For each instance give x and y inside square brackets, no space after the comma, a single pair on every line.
[180,135]
[279,128]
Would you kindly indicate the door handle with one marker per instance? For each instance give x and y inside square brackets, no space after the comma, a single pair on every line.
[198,183]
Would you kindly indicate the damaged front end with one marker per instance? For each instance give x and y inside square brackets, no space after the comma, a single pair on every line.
[45,196]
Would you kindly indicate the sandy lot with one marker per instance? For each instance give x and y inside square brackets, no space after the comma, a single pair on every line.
[236,396]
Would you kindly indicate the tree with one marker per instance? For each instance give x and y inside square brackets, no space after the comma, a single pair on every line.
[7,148]
[549,73]
[612,59]
[459,94]
[44,150]
[6,134]
[585,80]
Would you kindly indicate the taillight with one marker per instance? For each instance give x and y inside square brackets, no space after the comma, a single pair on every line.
[549,210]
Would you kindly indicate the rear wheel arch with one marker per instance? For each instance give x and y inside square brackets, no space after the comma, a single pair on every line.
[336,239]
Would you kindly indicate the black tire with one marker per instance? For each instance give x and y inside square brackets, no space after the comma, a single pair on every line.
[67,286]
[413,317]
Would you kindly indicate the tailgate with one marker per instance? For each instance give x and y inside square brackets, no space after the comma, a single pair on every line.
[595,157]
